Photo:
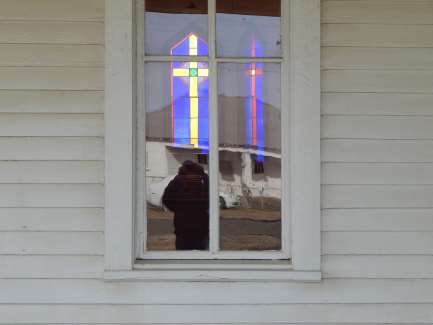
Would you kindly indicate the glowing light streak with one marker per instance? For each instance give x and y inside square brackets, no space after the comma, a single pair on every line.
[255,105]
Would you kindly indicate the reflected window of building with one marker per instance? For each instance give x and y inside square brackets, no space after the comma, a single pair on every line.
[259,167]
[202,159]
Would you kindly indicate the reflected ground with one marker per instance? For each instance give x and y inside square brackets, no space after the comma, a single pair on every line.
[242,228]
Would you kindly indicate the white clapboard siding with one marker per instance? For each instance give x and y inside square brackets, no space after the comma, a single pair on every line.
[377,153]
[51,243]
[65,78]
[377,58]
[51,195]
[51,55]
[377,81]
[51,219]
[243,323]
[377,196]
[51,148]
[76,10]
[52,172]
[377,150]
[378,266]
[376,243]
[377,35]
[376,104]
[285,323]
[51,125]
[377,173]
[50,266]
[230,314]
[378,12]
[95,291]
[377,219]
[46,32]
[376,127]
[51,101]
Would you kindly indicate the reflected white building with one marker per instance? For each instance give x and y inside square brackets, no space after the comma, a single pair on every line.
[249,114]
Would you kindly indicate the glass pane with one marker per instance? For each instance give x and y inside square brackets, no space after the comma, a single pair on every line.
[249,156]
[248,28]
[177,155]
[168,23]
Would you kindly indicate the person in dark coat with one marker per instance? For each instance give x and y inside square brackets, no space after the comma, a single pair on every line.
[187,195]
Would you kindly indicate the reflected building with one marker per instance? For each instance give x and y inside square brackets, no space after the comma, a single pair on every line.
[249,124]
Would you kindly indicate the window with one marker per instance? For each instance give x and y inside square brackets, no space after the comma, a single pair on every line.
[202,159]
[240,215]
[259,167]
[230,85]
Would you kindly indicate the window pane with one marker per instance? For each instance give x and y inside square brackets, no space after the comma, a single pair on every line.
[248,28]
[168,22]
[249,156]
[176,155]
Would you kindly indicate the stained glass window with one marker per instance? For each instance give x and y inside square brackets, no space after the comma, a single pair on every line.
[190,93]
[254,101]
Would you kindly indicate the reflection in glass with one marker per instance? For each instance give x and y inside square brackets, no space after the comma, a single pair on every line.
[167,22]
[249,156]
[189,93]
[176,152]
[239,23]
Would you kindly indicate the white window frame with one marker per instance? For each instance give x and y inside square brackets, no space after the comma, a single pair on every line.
[300,101]
[214,252]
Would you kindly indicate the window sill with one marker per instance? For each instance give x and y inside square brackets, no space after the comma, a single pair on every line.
[213,271]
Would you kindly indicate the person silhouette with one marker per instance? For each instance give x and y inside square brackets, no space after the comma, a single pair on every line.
[187,195]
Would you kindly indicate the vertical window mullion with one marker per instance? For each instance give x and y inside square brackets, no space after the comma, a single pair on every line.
[286,128]
[140,136]
[213,133]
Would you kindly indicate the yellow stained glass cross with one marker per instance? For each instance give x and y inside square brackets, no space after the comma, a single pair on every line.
[193,72]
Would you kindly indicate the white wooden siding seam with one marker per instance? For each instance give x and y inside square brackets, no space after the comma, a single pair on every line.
[354,254]
[373,24]
[29,20]
[49,32]
[52,160]
[42,66]
[364,208]
[52,89]
[365,231]
[49,183]
[53,43]
[51,255]
[376,138]
[324,115]
[375,69]
[54,136]
[374,92]
[51,231]
[160,314]
[367,47]
[193,304]
[18,230]
[351,68]
[325,277]
[330,184]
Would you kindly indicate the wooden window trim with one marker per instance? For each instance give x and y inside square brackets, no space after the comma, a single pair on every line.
[214,252]
[303,98]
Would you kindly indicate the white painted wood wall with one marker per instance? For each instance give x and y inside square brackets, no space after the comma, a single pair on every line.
[377,130]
